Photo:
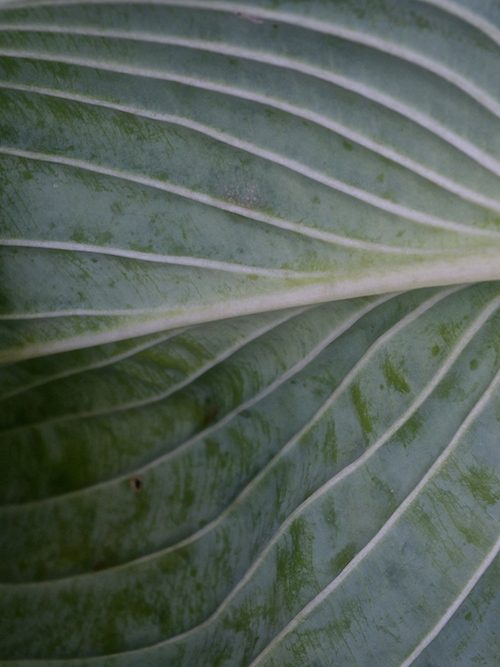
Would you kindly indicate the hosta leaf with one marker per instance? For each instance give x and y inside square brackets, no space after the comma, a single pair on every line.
[147,156]
[307,483]
[232,429]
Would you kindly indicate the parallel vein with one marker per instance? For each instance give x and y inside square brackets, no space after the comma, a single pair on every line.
[433,470]
[435,177]
[424,120]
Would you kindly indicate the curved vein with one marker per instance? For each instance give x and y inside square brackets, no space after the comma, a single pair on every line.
[350,468]
[231,140]
[468,16]
[388,525]
[412,56]
[203,198]
[108,361]
[276,158]
[221,204]
[338,477]
[425,121]
[79,312]
[393,49]
[473,268]
[487,312]
[450,611]
[317,119]
[187,444]
[157,258]
[247,490]
[143,402]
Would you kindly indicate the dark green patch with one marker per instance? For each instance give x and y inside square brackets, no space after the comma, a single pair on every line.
[395,378]
[424,523]
[343,558]
[294,562]
[448,333]
[79,236]
[329,444]
[10,65]
[104,237]
[420,21]
[347,145]
[242,618]
[447,386]
[471,535]
[483,484]
[362,409]
[409,431]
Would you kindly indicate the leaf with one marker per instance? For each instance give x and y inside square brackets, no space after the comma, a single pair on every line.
[316,481]
[250,334]
[100,111]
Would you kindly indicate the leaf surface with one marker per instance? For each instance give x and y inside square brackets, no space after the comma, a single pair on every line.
[249,333]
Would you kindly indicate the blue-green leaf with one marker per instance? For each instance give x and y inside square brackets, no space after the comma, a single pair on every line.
[249,333]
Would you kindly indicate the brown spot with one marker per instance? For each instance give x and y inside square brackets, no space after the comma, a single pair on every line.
[136,484]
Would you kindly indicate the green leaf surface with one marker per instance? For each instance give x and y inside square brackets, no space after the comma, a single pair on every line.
[249,333]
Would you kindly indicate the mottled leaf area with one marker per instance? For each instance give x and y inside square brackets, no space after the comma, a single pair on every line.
[249,333]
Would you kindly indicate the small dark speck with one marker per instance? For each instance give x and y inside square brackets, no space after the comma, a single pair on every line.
[136,484]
